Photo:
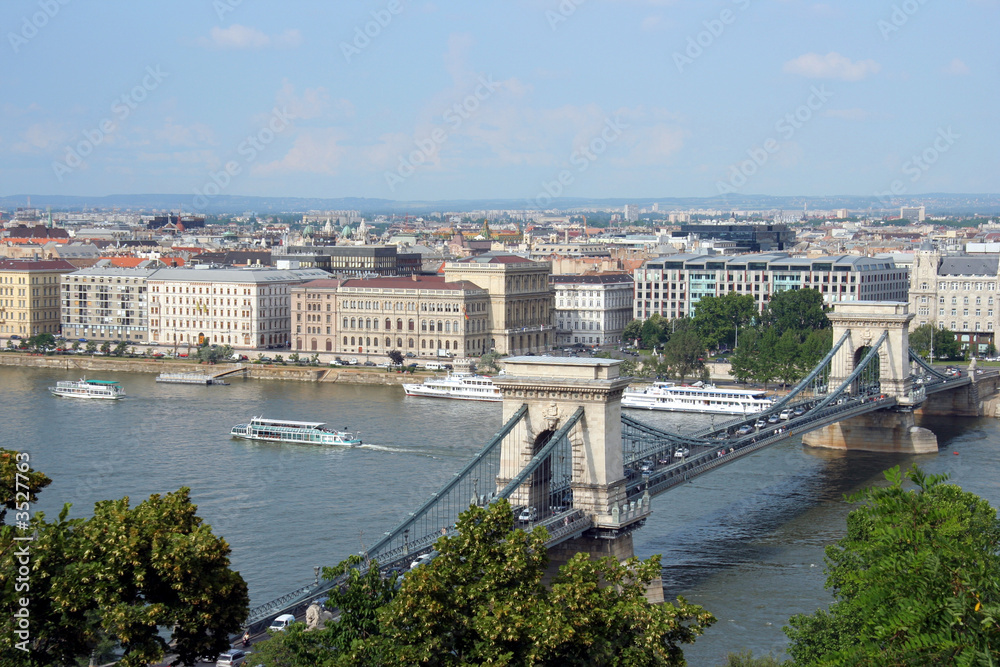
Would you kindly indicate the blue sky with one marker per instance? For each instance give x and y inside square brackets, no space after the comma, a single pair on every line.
[520,99]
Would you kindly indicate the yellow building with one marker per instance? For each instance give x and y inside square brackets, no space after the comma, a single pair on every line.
[29,296]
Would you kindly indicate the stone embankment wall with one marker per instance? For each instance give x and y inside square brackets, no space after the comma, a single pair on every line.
[83,364]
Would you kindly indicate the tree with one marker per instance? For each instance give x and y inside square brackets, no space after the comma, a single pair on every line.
[294,357]
[76,345]
[124,573]
[717,318]
[482,601]
[786,354]
[41,341]
[914,581]
[120,348]
[684,353]
[632,333]
[489,362]
[17,478]
[654,331]
[396,357]
[105,347]
[796,310]
[946,345]
[91,347]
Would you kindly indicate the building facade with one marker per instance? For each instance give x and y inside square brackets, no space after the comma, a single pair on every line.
[29,296]
[672,285]
[106,304]
[746,237]
[420,316]
[592,309]
[957,292]
[521,300]
[350,260]
[243,308]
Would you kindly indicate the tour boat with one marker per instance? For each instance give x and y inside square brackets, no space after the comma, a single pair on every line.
[464,386]
[107,389]
[705,398]
[283,430]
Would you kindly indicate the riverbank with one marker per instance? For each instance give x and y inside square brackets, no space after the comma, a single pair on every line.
[84,364]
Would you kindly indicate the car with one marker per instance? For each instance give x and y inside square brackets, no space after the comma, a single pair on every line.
[528,514]
[423,559]
[745,429]
[231,658]
[281,622]
[785,414]
[681,452]
[798,412]
[646,467]
[760,423]
[773,419]
[369,363]
[352,362]
[410,355]
[266,360]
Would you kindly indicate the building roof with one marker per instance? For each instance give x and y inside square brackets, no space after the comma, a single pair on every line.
[114,271]
[35,265]
[961,265]
[415,282]
[593,279]
[493,258]
[256,275]
[322,283]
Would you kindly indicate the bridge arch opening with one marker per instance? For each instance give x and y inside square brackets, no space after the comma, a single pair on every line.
[868,380]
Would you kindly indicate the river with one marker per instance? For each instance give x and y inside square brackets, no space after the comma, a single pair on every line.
[745,541]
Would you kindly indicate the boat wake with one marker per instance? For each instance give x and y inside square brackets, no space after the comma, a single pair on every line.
[397,450]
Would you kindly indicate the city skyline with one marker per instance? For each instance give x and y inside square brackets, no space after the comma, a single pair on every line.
[526,101]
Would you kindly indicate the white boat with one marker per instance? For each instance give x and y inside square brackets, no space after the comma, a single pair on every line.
[283,430]
[84,388]
[705,398]
[464,386]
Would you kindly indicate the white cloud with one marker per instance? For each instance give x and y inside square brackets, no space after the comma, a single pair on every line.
[41,138]
[239,36]
[313,103]
[831,66]
[956,68]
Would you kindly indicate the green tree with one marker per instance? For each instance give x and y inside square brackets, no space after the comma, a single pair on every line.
[796,310]
[489,362]
[786,355]
[684,353]
[91,347]
[814,348]
[716,318]
[41,341]
[124,574]
[76,345]
[294,357]
[19,483]
[946,345]
[395,357]
[120,348]
[654,332]
[632,332]
[482,601]
[914,581]
[105,347]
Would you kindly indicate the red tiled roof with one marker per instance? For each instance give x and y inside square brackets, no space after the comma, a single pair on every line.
[172,261]
[127,262]
[35,265]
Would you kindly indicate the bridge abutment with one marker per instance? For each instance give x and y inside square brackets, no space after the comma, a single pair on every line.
[620,548]
[880,431]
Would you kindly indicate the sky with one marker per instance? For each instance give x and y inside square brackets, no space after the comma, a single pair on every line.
[516,99]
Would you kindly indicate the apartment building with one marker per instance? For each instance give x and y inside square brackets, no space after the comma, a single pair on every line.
[422,316]
[958,292]
[106,304]
[521,300]
[592,309]
[351,260]
[29,296]
[672,285]
[243,308]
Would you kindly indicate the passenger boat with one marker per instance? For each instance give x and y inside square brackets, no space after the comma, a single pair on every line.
[106,389]
[705,398]
[464,386]
[283,430]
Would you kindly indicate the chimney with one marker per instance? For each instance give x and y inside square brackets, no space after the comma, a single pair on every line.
[414,276]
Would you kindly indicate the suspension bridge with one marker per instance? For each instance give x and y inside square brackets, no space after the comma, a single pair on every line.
[566,458]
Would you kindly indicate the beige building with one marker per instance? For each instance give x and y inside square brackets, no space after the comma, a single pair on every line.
[243,308]
[106,304]
[521,300]
[29,296]
[421,316]
[592,309]
[957,292]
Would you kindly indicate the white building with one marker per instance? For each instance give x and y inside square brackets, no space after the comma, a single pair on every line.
[243,308]
[913,213]
[592,309]
[106,304]
[631,213]
[672,285]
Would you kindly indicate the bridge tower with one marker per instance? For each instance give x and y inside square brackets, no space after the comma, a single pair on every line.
[553,388]
[885,430]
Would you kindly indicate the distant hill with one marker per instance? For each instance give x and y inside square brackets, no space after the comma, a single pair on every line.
[936,203]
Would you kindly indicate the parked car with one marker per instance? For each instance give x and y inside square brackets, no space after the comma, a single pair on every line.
[231,658]
[369,363]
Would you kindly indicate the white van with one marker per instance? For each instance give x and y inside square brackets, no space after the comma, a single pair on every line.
[785,414]
[282,622]
[434,366]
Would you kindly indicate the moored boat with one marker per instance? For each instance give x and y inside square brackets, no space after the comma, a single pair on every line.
[464,386]
[284,430]
[704,398]
[84,388]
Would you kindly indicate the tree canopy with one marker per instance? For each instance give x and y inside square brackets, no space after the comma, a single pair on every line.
[915,581]
[118,576]
[796,310]
[946,344]
[482,600]
[716,318]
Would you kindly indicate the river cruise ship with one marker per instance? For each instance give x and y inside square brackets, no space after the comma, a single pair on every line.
[283,430]
[106,389]
[705,398]
[464,386]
